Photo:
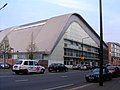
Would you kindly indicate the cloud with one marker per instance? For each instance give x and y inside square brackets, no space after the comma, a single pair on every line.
[75,4]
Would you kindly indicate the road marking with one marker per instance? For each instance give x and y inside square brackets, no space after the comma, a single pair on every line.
[5,76]
[64,76]
[58,87]
[77,88]
[23,80]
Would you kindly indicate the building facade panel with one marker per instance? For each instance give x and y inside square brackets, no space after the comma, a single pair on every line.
[114,53]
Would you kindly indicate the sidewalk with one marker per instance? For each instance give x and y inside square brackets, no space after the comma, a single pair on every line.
[5,71]
[114,84]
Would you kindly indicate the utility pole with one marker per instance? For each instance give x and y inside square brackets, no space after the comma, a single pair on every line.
[101,45]
[82,56]
[4,51]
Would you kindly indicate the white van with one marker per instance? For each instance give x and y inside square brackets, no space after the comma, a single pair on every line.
[26,66]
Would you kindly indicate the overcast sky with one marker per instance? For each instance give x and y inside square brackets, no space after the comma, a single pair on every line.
[19,12]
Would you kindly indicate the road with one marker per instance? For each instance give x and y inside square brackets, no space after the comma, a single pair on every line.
[47,81]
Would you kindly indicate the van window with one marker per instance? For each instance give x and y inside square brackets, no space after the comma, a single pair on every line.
[26,63]
[36,64]
[30,62]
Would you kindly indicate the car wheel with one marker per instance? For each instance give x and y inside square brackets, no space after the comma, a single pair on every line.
[49,70]
[110,77]
[66,70]
[87,80]
[25,72]
[17,73]
[57,70]
[42,71]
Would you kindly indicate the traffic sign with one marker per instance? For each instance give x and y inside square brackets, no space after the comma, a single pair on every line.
[82,58]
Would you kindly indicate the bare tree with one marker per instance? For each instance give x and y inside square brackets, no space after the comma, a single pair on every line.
[31,48]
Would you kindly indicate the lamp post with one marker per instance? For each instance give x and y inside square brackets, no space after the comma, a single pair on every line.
[4,52]
[3,6]
[82,57]
[101,46]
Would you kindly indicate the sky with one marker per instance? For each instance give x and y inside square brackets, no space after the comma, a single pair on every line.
[19,12]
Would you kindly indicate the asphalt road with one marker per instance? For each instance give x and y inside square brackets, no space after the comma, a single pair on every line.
[47,81]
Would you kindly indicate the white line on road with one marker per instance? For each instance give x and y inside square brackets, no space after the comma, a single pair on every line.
[23,80]
[64,76]
[5,76]
[77,88]
[58,87]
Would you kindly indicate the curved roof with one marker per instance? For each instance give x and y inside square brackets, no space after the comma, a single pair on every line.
[44,34]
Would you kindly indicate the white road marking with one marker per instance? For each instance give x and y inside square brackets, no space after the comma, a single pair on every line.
[77,88]
[64,76]
[58,87]
[5,76]
[23,80]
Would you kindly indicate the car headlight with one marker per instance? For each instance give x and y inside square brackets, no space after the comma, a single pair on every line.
[87,75]
[97,75]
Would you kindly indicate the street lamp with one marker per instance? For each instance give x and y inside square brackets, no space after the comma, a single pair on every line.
[101,45]
[82,57]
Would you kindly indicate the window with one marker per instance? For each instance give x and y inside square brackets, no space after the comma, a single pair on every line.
[26,63]
[36,64]
[30,62]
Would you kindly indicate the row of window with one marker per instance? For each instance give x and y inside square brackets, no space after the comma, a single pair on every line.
[77,45]
[77,53]
[115,50]
[116,54]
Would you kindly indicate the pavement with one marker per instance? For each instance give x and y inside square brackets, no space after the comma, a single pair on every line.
[114,84]
[5,71]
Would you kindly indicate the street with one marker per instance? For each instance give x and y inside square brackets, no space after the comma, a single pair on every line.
[47,81]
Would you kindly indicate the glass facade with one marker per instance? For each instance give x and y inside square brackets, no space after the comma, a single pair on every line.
[75,46]
[73,52]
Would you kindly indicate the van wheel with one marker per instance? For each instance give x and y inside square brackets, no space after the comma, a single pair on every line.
[25,71]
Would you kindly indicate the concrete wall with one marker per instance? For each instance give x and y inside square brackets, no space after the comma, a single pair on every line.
[57,54]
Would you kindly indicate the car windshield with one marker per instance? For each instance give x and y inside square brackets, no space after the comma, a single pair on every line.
[97,70]
[55,64]
[19,62]
[111,68]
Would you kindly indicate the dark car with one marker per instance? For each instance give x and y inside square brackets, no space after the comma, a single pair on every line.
[4,65]
[93,76]
[57,67]
[114,70]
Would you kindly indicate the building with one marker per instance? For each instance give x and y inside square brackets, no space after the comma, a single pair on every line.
[67,39]
[114,53]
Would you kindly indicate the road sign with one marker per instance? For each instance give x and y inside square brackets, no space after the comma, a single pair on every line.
[82,58]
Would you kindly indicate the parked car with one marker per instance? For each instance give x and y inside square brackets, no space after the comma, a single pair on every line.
[24,66]
[114,70]
[83,67]
[93,76]
[76,67]
[57,67]
[5,65]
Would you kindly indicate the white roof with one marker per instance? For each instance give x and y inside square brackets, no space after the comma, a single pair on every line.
[43,34]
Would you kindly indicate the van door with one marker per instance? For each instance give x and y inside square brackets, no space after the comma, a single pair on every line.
[37,67]
[31,66]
